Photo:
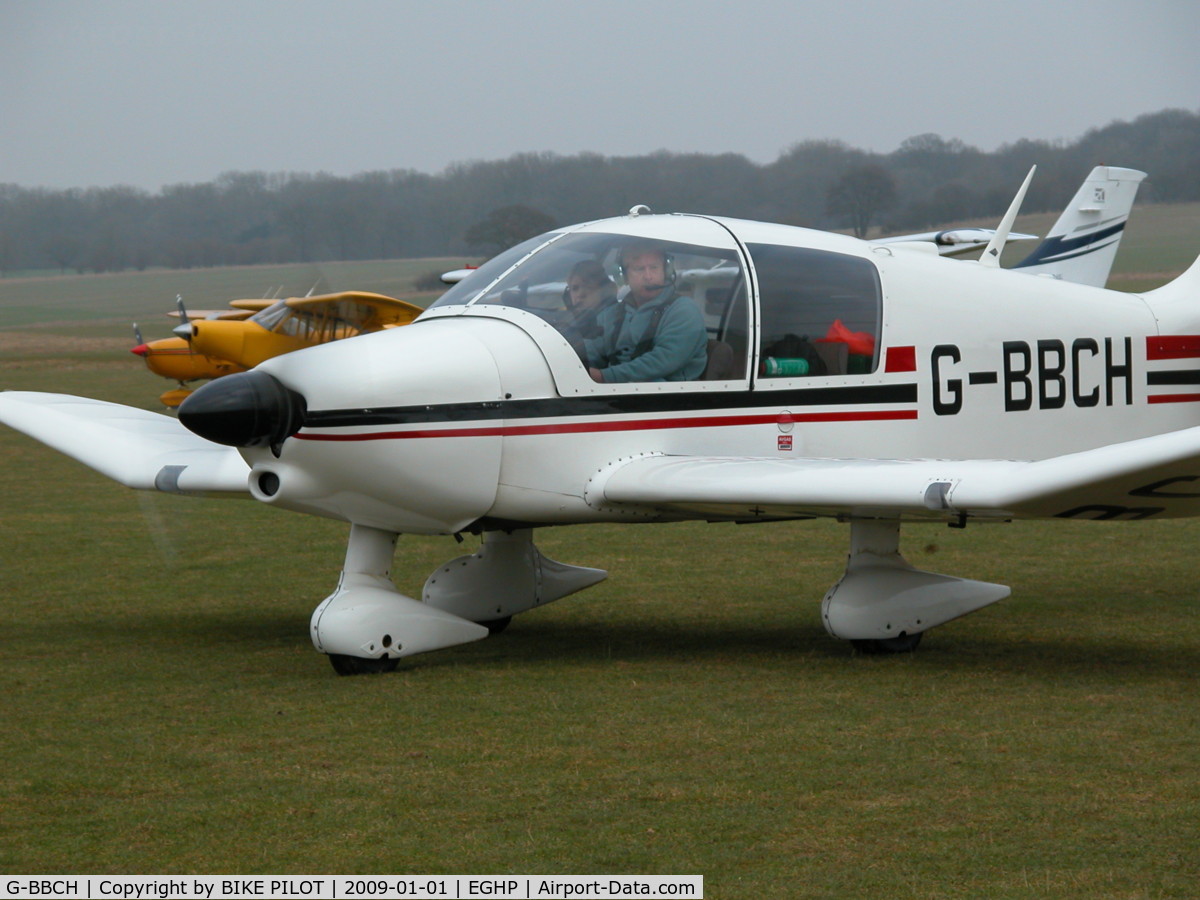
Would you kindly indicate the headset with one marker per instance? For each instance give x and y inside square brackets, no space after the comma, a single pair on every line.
[638,250]
[606,279]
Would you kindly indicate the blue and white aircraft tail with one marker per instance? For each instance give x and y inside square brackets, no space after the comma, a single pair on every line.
[1082,245]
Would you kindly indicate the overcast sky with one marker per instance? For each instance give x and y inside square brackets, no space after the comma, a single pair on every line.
[103,92]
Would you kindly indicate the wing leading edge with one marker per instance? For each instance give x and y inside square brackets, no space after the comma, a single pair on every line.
[137,448]
[1157,476]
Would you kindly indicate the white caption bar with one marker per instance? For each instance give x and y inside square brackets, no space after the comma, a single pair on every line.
[339,887]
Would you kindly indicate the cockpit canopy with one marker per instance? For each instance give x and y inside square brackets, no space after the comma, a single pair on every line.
[819,311]
[570,272]
[282,319]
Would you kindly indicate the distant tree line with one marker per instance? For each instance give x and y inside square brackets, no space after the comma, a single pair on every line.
[475,208]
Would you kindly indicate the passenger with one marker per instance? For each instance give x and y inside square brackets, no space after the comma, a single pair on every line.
[589,292]
[655,334]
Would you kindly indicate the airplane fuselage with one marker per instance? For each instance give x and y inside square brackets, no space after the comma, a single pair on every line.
[483,413]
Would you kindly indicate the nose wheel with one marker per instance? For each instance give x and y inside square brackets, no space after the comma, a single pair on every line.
[357,665]
[904,643]
[495,626]
[366,625]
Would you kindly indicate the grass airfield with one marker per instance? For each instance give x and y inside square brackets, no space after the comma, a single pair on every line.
[164,711]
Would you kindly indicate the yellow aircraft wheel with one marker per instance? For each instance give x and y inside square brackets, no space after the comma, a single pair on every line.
[174,398]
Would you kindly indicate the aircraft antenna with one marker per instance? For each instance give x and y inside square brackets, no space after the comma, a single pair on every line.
[991,253]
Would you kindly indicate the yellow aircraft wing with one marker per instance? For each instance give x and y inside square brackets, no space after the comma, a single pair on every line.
[226,314]
[360,309]
[252,306]
[298,322]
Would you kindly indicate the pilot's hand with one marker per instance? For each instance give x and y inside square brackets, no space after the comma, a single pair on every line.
[596,375]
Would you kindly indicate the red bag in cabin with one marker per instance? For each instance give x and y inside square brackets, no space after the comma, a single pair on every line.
[859,342]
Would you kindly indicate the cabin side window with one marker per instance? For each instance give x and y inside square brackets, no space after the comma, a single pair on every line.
[819,312]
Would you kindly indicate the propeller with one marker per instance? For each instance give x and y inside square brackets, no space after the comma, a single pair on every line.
[139,343]
[184,328]
[248,409]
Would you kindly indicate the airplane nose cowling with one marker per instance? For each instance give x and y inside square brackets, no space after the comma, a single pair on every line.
[248,409]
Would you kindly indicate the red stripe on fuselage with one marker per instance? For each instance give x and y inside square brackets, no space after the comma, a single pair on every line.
[1173,398]
[1173,346]
[623,425]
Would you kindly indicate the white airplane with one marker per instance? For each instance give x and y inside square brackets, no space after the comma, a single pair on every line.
[955,241]
[1082,244]
[875,384]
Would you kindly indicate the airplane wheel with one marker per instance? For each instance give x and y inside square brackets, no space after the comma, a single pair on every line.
[357,665]
[495,626]
[905,643]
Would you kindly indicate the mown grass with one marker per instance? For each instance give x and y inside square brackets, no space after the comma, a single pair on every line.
[164,711]
[107,304]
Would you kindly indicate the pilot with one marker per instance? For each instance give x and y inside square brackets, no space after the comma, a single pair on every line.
[655,334]
[589,292]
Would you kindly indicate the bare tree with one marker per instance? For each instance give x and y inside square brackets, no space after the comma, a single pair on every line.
[507,226]
[859,195]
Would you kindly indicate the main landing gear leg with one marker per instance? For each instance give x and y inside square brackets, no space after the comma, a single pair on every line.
[506,576]
[884,605]
[366,625]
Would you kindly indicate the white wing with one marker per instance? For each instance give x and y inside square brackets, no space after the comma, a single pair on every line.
[954,241]
[139,449]
[1149,477]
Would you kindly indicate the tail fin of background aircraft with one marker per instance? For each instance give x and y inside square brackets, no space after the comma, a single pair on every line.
[1083,243]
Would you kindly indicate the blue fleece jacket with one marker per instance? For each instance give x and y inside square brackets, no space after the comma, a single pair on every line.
[680,351]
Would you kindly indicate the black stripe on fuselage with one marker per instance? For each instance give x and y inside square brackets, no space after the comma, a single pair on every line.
[611,405]
[1179,376]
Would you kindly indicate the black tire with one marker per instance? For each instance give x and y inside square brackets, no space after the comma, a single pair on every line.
[357,665]
[902,643]
[495,626]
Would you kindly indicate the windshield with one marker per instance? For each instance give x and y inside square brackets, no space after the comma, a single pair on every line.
[465,290]
[271,316]
[652,298]
[320,323]
[581,272]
